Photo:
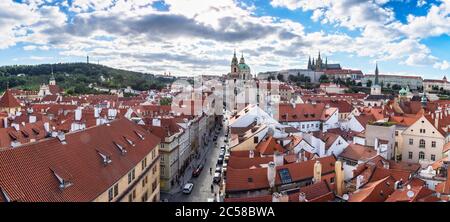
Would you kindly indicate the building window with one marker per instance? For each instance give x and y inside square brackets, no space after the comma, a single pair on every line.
[317,125]
[154,170]
[410,155]
[154,185]
[110,194]
[132,196]
[154,154]
[422,130]
[144,163]
[145,197]
[396,133]
[255,139]
[422,143]
[113,192]
[116,190]
[433,144]
[303,126]
[131,176]
[421,155]
[411,141]
[433,157]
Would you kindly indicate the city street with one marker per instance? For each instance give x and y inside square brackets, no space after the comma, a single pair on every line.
[202,184]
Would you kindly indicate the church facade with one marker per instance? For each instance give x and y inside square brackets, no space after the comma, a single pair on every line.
[239,69]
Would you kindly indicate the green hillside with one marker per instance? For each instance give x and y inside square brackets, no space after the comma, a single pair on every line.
[76,77]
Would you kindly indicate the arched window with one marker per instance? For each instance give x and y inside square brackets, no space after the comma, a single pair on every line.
[421,155]
[422,143]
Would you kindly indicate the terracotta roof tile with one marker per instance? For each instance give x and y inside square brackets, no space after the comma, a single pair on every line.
[8,100]
[27,175]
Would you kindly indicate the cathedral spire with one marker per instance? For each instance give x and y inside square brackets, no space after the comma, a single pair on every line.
[242,59]
[309,63]
[376,74]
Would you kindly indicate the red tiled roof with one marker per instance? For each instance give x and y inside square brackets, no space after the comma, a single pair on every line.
[446,147]
[401,195]
[236,162]
[358,152]
[364,119]
[301,112]
[27,175]
[377,191]
[9,101]
[317,192]
[238,179]
[269,146]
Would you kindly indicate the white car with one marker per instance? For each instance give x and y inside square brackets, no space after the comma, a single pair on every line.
[187,189]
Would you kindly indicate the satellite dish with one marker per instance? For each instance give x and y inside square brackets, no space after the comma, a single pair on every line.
[345,197]
[410,194]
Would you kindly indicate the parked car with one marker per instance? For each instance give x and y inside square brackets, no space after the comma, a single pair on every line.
[197,171]
[220,161]
[218,169]
[187,189]
[217,178]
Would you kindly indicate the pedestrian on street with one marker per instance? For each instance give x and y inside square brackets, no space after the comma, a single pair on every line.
[210,171]
[212,188]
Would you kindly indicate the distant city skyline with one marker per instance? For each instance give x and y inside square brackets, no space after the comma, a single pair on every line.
[191,37]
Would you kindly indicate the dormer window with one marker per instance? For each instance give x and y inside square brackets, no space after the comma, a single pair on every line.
[5,195]
[105,158]
[129,141]
[25,134]
[139,135]
[121,148]
[35,131]
[63,179]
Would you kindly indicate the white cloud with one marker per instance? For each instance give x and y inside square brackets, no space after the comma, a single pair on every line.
[421,3]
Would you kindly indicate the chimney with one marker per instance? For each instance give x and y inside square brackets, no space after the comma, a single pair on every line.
[398,184]
[5,122]
[16,126]
[251,154]
[436,122]
[339,178]
[302,197]
[317,172]
[47,126]
[299,157]
[375,145]
[386,165]
[271,174]
[78,114]
[278,159]
[96,112]
[61,137]
[32,119]
[359,180]
[280,197]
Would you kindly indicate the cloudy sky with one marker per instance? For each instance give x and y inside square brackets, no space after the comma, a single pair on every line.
[187,37]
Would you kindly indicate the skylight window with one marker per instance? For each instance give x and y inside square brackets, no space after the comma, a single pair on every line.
[285,176]
[139,135]
[106,158]
[129,141]
[121,148]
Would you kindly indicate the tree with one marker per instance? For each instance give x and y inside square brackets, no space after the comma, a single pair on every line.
[396,87]
[280,77]
[369,83]
[324,79]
